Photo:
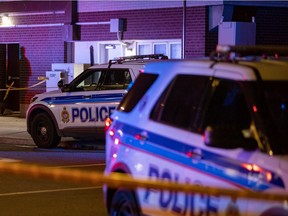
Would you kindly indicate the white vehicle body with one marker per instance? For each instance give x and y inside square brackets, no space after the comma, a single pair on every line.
[146,140]
[80,107]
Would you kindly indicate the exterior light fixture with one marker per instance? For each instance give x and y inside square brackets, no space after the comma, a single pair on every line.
[6,20]
[110,46]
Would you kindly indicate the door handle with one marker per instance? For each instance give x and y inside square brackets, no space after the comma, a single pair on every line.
[142,136]
[195,154]
[87,96]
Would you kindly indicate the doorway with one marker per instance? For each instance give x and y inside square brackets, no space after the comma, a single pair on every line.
[9,72]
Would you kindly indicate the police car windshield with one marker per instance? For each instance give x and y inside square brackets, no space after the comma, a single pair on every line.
[276,97]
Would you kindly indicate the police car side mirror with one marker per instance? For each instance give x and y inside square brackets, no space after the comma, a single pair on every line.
[64,88]
[228,138]
[60,83]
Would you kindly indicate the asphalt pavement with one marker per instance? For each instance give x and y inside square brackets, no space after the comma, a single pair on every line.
[13,130]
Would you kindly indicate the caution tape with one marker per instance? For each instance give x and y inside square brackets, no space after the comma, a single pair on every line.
[7,91]
[25,88]
[117,180]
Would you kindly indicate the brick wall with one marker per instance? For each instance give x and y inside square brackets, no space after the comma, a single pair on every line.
[151,24]
[141,24]
[195,32]
[43,46]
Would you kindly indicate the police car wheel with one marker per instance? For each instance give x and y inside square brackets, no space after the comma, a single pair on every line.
[124,204]
[43,132]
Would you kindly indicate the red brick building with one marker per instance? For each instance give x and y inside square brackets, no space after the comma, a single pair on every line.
[46,32]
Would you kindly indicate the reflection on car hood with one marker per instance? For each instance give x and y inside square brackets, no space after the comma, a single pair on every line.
[51,92]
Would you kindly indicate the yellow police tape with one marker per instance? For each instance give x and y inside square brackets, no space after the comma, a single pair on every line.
[116,180]
[25,88]
[7,92]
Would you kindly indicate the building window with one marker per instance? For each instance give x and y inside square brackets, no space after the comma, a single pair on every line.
[144,49]
[160,49]
[171,48]
[175,51]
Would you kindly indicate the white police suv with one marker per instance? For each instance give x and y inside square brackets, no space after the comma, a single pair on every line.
[80,107]
[221,122]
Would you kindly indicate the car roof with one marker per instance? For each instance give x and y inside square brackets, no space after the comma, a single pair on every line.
[270,69]
[137,61]
[269,61]
[248,67]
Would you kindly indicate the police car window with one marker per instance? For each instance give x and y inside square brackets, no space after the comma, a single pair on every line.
[115,79]
[104,79]
[276,115]
[228,109]
[181,102]
[90,82]
[138,89]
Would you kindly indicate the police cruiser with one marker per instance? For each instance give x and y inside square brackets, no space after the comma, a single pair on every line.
[221,122]
[78,109]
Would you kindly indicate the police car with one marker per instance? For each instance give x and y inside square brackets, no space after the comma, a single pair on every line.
[221,122]
[78,109]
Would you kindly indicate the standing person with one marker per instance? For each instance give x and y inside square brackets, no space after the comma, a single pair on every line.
[25,74]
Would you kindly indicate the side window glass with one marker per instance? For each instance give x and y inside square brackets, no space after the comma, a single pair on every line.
[228,107]
[116,79]
[180,104]
[137,91]
[89,82]
[103,79]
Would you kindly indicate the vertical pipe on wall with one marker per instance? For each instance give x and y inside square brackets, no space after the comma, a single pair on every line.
[91,55]
[71,29]
[184,30]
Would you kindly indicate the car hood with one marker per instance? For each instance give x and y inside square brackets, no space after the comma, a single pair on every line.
[50,92]
[47,94]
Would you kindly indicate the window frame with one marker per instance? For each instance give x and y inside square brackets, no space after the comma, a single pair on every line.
[137,92]
[157,111]
[74,85]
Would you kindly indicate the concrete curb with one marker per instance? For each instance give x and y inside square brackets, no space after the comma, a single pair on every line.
[13,140]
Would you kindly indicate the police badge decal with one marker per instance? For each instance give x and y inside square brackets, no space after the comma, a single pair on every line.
[65,115]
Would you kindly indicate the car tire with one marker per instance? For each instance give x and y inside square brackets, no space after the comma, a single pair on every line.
[124,204]
[43,131]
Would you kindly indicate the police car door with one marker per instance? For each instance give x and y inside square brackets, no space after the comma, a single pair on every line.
[86,104]
[232,155]
[226,111]
[171,116]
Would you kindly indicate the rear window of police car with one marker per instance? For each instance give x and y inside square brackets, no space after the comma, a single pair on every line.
[138,89]
[102,79]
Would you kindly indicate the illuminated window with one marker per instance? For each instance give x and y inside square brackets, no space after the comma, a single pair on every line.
[171,48]
[6,20]
[160,49]
[144,49]
[175,51]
